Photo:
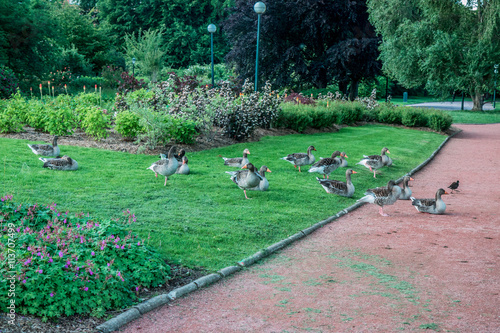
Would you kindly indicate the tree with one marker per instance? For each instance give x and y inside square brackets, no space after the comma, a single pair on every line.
[146,48]
[444,45]
[305,42]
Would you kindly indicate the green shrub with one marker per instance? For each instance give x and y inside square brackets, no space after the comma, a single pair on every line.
[36,114]
[348,113]
[413,118]
[8,82]
[89,82]
[10,116]
[111,76]
[389,114]
[182,130]
[127,124]
[439,121]
[154,124]
[95,122]
[66,265]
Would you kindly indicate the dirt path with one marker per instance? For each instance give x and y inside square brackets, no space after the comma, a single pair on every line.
[367,273]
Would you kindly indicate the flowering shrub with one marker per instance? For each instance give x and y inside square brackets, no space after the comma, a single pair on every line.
[8,82]
[128,83]
[66,264]
[60,78]
[298,98]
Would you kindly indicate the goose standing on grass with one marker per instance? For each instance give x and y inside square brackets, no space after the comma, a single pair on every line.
[406,190]
[301,159]
[246,178]
[238,162]
[167,166]
[183,168]
[337,187]
[264,183]
[64,163]
[382,196]
[162,157]
[325,166]
[46,150]
[431,206]
[374,162]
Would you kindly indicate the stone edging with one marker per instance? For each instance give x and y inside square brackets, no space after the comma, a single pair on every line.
[136,311]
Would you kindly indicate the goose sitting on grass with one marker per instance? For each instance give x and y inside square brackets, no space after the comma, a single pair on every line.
[238,162]
[183,168]
[264,183]
[45,149]
[246,178]
[382,196]
[345,189]
[167,166]
[64,163]
[301,159]
[431,206]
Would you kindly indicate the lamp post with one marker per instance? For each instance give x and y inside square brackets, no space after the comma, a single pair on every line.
[133,67]
[212,28]
[259,8]
[495,86]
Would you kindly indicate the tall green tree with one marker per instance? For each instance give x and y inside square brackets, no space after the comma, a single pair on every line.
[444,45]
[305,42]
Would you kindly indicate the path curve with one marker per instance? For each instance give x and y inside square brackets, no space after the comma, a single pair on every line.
[367,273]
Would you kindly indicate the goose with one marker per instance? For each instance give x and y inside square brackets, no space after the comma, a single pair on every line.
[264,183]
[344,189]
[162,157]
[374,162]
[406,190]
[179,156]
[382,196]
[64,163]
[238,162]
[431,206]
[300,159]
[46,150]
[245,179]
[343,159]
[166,166]
[325,166]
[183,168]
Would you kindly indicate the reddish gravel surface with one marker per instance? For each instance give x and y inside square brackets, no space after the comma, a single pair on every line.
[368,273]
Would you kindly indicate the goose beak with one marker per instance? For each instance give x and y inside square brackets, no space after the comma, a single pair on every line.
[346,156]
[354,171]
[446,192]
[245,167]
[268,170]
[411,178]
[388,152]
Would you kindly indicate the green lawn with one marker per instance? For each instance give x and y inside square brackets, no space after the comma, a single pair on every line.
[475,117]
[203,219]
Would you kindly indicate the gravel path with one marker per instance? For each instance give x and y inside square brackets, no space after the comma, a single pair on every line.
[368,273]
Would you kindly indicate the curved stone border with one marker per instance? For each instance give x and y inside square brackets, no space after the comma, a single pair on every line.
[151,304]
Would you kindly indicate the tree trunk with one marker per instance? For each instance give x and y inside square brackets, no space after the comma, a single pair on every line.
[343,87]
[477,100]
[353,90]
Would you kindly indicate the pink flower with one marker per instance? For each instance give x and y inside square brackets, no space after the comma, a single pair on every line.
[24,281]
[93,253]
[40,271]
[86,288]
[51,294]
[50,260]
[61,254]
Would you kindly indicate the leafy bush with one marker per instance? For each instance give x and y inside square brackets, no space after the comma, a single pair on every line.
[182,131]
[66,265]
[348,113]
[128,83]
[154,125]
[90,83]
[111,76]
[127,124]
[8,82]
[298,98]
[11,114]
[439,121]
[389,115]
[413,117]
[294,118]
[95,122]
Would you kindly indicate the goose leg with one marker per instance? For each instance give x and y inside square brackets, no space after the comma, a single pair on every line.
[245,191]
[156,174]
[165,181]
[299,168]
[381,212]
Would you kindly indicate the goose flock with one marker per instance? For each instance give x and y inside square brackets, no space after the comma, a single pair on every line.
[248,177]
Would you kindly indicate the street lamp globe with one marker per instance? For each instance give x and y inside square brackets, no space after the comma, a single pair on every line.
[496,68]
[259,7]
[212,28]
[133,61]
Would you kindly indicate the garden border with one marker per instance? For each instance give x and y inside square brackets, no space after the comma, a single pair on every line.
[138,310]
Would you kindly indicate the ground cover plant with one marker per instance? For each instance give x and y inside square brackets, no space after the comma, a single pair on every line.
[65,263]
[203,220]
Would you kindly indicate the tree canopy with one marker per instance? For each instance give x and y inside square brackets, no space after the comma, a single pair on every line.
[315,41]
[444,45]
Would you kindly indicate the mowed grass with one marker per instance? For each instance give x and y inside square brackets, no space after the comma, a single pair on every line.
[204,220]
[475,117]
